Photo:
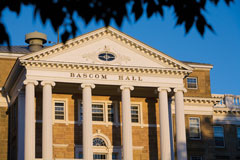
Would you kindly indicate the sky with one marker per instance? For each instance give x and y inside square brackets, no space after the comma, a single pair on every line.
[221,49]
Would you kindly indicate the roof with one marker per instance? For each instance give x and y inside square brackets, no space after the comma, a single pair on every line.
[198,65]
[14,49]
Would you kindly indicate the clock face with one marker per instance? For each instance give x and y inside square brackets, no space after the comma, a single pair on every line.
[106,57]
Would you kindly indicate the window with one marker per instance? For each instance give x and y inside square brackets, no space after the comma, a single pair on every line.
[135,113]
[238,137]
[194,128]
[106,56]
[196,158]
[99,156]
[192,83]
[98,142]
[59,110]
[101,112]
[218,136]
[97,112]
[110,113]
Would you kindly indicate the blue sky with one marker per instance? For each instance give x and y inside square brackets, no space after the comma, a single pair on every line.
[221,49]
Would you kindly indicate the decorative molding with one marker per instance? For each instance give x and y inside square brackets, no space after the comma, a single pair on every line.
[198,100]
[113,33]
[103,68]
[120,59]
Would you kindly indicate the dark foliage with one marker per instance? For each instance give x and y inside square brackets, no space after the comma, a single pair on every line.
[60,12]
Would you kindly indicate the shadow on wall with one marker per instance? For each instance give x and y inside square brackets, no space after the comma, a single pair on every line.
[152,131]
[205,145]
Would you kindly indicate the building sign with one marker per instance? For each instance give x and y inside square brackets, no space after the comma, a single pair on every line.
[105,76]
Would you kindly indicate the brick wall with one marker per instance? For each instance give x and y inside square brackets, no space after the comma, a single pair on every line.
[203,90]
[3,133]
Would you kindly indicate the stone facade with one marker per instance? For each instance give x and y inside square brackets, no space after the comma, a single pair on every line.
[151,74]
[3,133]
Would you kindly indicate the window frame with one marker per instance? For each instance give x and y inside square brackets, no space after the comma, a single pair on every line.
[140,117]
[105,112]
[192,83]
[222,137]
[199,128]
[65,101]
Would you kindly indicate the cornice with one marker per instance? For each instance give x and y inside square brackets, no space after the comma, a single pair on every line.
[103,68]
[226,111]
[109,31]
[199,100]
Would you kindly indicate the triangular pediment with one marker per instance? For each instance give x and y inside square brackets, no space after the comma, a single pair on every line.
[109,47]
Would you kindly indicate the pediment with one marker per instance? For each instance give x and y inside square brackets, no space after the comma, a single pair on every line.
[108,47]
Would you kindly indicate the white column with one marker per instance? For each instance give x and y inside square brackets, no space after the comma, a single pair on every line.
[87,121]
[21,125]
[47,139]
[126,123]
[29,139]
[164,124]
[180,124]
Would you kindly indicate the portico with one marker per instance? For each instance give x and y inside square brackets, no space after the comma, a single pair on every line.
[143,72]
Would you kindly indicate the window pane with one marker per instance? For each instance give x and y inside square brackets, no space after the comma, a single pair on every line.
[59,110]
[97,112]
[110,113]
[192,82]
[218,136]
[134,114]
[194,128]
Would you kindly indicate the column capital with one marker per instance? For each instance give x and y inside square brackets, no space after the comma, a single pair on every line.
[27,81]
[83,85]
[180,89]
[43,83]
[126,87]
[159,89]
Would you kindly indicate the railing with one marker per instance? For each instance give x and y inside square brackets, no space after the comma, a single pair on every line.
[228,101]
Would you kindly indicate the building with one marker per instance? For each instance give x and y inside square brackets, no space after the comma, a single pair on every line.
[106,95]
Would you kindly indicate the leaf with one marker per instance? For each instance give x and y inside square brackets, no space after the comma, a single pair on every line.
[137,9]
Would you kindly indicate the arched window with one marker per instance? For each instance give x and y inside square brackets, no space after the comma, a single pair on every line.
[98,142]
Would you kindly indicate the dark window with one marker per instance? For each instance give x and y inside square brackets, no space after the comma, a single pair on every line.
[238,137]
[192,83]
[135,113]
[59,110]
[106,56]
[218,136]
[110,113]
[97,112]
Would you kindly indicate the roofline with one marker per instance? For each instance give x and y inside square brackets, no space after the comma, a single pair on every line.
[198,65]
[111,29]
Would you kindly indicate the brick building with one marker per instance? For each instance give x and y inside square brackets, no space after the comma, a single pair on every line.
[106,95]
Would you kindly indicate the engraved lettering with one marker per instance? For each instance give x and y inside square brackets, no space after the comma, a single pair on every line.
[90,76]
[139,78]
[78,75]
[133,78]
[120,78]
[97,76]
[127,78]
[72,75]
[104,76]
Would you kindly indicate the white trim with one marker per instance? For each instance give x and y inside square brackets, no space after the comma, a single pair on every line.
[140,115]
[60,145]
[196,82]
[65,100]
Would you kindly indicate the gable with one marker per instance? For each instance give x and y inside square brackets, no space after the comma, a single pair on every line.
[126,50]
[105,52]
